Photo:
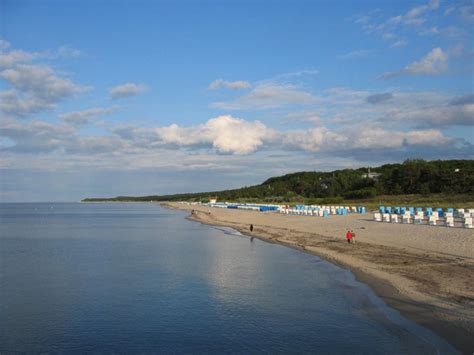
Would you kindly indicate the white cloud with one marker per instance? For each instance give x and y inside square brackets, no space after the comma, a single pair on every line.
[314,139]
[219,83]
[411,20]
[361,53]
[36,88]
[268,95]
[434,63]
[225,133]
[83,117]
[295,74]
[429,31]
[399,43]
[126,90]
[467,12]
[429,137]
[40,81]
[36,136]
[324,140]
[448,115]
[12,105]
[412,17]
[4,44]
[18,56]
[9,58]
[68,52]
[308,116]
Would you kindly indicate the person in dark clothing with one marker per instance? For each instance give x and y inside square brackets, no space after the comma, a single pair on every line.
[251,227]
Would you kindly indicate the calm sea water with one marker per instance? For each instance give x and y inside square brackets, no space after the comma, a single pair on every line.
[132,278]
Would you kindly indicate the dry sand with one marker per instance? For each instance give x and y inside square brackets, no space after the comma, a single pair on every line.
[425,272]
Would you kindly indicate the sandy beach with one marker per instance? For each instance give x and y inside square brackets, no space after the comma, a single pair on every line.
[425,272]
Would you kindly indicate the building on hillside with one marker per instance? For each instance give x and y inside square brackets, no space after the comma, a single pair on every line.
[371,175]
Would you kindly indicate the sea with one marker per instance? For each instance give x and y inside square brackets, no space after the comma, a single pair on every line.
[139,278]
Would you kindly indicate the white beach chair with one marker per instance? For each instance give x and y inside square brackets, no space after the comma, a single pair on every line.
[386,217]
[377,217]
[394,218]
[406,218]
[449,221]
[468,222]
[432,221]
[418,219]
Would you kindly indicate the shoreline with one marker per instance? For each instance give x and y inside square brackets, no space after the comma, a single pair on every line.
[451,320]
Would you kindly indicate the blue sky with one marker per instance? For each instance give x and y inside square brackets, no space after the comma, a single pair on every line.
[105,98]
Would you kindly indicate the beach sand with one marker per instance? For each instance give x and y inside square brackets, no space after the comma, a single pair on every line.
[425,272]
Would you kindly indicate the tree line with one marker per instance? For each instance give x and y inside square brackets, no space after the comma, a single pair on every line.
[413,176]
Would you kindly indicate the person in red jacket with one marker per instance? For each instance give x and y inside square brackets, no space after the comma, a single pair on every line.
[349,236]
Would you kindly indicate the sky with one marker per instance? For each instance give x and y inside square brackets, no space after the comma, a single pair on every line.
[106,98]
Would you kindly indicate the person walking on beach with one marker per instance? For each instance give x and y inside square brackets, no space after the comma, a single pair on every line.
[353,240]
[349,236]
[251,227]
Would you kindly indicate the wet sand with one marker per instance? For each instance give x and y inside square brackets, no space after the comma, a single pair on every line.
[425,272]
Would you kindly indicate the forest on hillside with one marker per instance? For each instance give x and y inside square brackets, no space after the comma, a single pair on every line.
[410,177]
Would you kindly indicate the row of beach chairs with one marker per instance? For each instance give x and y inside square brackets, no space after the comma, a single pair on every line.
[458,212]
[320,211]
[432,218]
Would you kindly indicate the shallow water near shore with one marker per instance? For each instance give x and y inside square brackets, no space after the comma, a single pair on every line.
[130,278]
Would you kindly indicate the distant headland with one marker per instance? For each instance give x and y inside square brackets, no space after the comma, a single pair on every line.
[438,183]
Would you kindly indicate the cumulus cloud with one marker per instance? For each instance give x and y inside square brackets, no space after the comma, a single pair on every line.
[36,87]
[226,134]
[36,136]
[324,140]
[314,139]
[83,117]
[13,105]
[18,56]
[220,83]
[40,81]
[434,63]
[410,109]
[126,90]
[461,114]
[268,95]
[429,137]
